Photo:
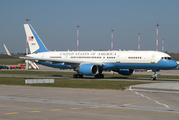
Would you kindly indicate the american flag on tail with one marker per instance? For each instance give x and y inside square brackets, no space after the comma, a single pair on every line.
[31,38]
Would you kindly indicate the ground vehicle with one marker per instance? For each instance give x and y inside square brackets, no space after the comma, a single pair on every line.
[17,67]
[4,67]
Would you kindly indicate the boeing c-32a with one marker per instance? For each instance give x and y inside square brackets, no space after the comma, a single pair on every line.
[93,63]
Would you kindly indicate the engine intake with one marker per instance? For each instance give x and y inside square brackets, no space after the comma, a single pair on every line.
[88,69]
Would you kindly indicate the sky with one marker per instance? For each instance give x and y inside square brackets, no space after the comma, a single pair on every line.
[55,21]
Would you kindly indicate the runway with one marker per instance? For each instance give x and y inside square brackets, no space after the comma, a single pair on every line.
[158,100]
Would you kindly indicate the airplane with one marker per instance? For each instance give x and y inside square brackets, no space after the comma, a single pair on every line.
[93,63]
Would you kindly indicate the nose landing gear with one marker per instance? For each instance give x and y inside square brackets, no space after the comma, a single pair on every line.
[154,76]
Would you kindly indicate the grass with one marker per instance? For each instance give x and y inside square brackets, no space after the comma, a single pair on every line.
[28,72]
[56,73]
[75,83]
[11,61]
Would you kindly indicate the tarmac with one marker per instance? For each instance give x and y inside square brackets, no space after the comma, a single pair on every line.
[157,87]
[159,84]
[158,100]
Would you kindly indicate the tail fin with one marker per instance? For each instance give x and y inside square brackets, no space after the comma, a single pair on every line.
[35,43]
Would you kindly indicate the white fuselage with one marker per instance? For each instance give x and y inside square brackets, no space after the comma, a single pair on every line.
[105,60]
[101,56]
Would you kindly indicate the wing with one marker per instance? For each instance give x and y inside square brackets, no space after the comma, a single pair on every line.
[65,62]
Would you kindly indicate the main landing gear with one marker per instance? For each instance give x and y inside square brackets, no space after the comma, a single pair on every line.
[78,76]
[99,76]
[81,76]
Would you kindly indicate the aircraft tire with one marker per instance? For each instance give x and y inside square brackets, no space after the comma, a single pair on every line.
[153,78]
[74,76]
[78,76]
[101,76]
[81,75]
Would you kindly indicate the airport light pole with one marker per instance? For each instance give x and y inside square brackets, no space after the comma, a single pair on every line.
[162,44]
[27,20]
[26,61]
[78,37]
[112,40]
[138,41]
[157,37]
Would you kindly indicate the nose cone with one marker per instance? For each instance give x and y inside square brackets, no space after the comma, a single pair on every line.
[173,64]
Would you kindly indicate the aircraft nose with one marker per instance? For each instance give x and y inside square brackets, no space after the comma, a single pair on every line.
[173,64]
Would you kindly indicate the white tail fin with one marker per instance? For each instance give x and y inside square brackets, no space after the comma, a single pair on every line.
[7,51]
[35,43]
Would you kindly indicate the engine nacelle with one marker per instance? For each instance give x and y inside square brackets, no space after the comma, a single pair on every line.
[88,69]
[125,71]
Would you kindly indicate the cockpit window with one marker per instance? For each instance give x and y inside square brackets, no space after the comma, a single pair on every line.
[166,58]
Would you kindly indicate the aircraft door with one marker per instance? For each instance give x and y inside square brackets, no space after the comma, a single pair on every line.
[153,58]
[118,57]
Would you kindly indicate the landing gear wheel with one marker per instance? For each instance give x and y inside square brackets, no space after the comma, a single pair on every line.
[153,78]
[99,76]
[74,76]
[81,76]
[77,76]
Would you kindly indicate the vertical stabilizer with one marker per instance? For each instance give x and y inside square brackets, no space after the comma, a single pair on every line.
[7,51]
[34,41]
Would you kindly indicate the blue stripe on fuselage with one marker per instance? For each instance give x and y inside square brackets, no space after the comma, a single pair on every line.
[41,45]
[161,65]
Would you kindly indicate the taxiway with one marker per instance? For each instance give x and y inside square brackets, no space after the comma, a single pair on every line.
[158,100]
[24,102]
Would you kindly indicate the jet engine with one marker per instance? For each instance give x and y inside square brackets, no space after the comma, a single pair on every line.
[125,71]
[88,69]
